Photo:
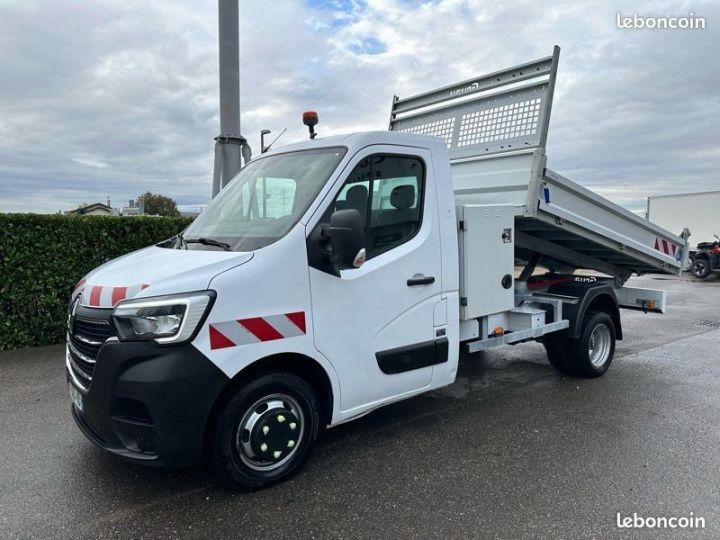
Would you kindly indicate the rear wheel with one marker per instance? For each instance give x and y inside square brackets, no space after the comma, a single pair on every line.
[700,268]
[555,349]
[266,431]
[591,354]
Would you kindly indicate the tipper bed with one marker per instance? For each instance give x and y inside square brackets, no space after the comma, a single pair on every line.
[495,127]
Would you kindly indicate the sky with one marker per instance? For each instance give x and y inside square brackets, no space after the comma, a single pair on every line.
[118,97]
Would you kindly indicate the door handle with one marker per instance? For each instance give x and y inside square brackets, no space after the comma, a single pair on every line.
[419,279]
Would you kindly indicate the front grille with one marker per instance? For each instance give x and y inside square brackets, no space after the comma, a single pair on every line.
[85,337]
[93,329]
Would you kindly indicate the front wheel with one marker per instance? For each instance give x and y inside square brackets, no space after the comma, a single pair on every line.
[588,356]
[700,268]
[266,431]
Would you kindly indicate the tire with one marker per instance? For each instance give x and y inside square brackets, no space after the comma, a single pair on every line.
[700,268]
[588,356]
[555,349]
[266,431]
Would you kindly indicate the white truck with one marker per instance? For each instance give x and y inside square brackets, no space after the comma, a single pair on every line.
[340,274]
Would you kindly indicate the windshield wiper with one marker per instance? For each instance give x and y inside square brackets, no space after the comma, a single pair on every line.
[207,242]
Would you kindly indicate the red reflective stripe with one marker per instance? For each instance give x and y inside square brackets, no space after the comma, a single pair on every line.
[95,295]
[144,286]
[657,245]
[298,319]
[119,293]
[260,328]
[218,340]
[666,248]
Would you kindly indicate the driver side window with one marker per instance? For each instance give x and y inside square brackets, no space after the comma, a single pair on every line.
[387,191]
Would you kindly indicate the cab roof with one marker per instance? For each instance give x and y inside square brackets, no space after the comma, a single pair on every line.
[355,141]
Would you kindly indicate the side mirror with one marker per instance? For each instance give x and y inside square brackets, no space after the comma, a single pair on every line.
[347,238]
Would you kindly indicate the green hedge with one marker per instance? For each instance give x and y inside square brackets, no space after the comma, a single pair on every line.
[43,256]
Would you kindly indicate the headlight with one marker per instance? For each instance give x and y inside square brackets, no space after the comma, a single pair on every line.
[165,319]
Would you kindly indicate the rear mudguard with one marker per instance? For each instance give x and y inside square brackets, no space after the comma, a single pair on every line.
[593,296]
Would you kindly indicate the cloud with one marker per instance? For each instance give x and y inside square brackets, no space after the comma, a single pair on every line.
[119,97]
[90,162]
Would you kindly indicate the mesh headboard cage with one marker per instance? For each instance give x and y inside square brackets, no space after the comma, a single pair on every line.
[501,112]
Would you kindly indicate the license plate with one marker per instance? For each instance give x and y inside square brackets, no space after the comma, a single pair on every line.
[76,397]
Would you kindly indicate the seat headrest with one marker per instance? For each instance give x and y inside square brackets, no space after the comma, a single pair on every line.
[357,194]
[402,197]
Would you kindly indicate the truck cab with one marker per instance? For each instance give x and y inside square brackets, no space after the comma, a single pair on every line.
[370,323]
[336,275]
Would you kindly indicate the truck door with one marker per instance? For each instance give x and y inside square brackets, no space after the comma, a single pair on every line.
[375,323]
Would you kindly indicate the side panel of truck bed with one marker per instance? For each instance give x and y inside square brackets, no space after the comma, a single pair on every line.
[567,223]
[575,218]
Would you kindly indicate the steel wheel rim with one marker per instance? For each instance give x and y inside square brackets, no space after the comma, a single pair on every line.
[246,434]
[599,346]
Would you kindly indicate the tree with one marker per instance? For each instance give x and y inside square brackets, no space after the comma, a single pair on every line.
[158,205]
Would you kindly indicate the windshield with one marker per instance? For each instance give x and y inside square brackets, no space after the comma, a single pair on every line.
[265,200]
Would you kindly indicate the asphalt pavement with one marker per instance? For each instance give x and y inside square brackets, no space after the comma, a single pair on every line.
[511,450]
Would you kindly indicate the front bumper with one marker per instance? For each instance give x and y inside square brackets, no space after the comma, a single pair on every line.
[149,404]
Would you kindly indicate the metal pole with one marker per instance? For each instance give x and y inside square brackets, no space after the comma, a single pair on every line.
[230,145]
[229,67]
